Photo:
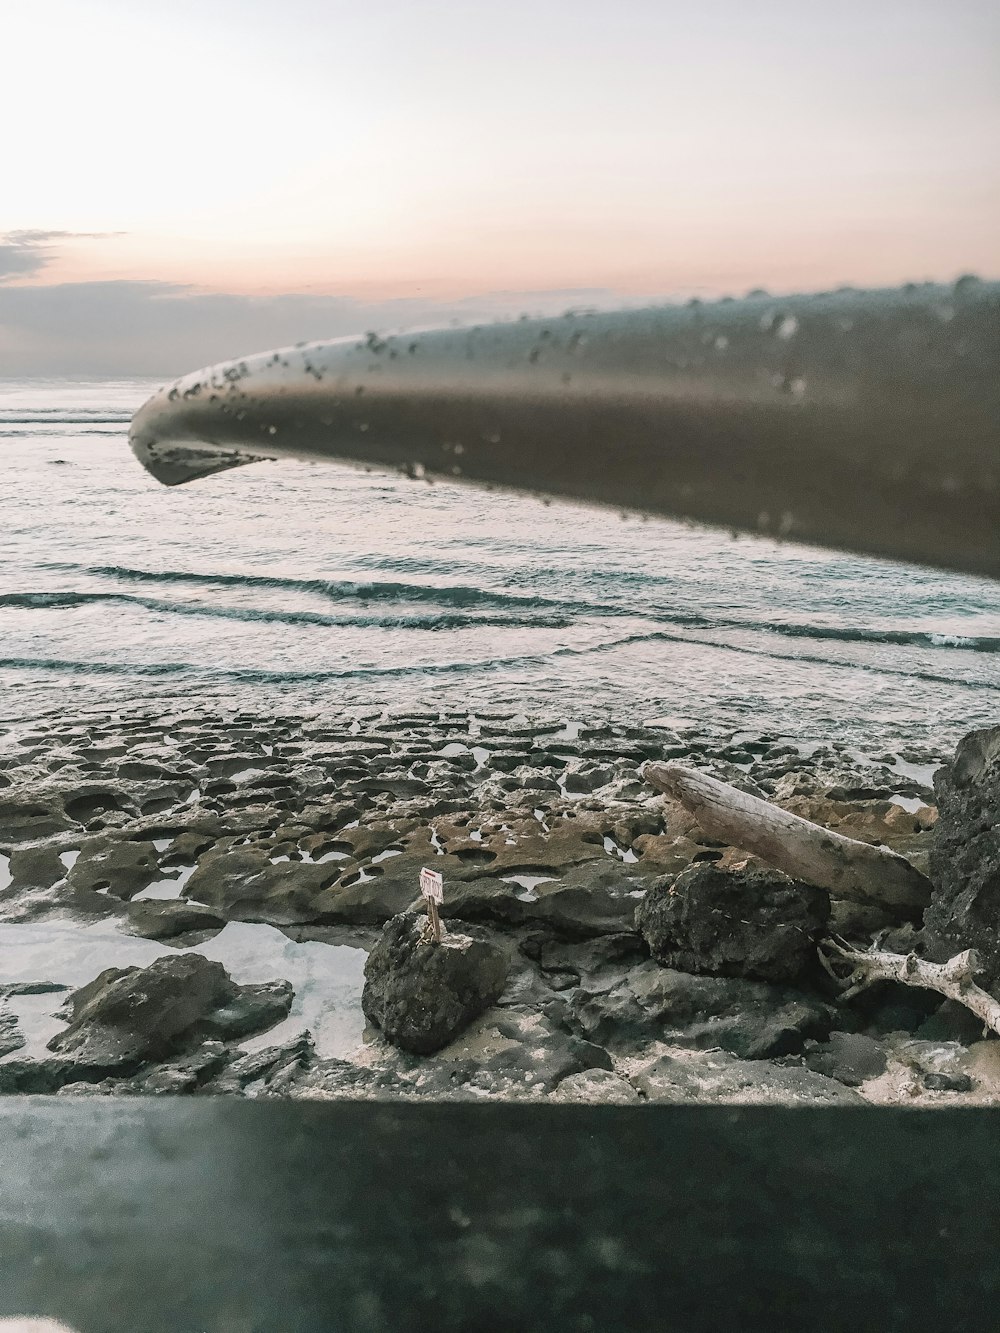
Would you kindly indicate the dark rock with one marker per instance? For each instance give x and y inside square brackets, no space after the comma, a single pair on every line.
[514,1050]
[717,1077]
[252,1008]
[186,1073]
[947,1082]
[31,988]
[890,1007]
[952,1022]
[163,918]
[737,923]
[510,1053]
[186,848]
[11,1036]
[750,1019]
[44,1076]
[964,912]
[24,818]
[245,886]
[127,1018]
[594,898]
[421,994]
[849,1057]
[122,868]
[37,867]
[587,777]
[134,1015]
[278,1064]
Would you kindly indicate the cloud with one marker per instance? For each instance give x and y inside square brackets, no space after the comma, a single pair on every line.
[26,252]
[19,258]
[164,329]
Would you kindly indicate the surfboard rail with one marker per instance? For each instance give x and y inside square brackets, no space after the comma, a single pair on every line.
[863,420]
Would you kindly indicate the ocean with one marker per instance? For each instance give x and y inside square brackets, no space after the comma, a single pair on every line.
[292,587]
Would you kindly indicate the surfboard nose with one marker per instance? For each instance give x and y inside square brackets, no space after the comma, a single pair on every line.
[867,421]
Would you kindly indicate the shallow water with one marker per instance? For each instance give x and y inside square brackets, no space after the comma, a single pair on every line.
[327,978]
[291,586]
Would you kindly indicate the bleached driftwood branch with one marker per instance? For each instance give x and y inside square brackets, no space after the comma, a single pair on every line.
[806,851]
[953,979]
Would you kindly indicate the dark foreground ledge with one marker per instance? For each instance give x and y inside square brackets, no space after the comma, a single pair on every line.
[222,1215]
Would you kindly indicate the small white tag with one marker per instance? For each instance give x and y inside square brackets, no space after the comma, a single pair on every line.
[432,885]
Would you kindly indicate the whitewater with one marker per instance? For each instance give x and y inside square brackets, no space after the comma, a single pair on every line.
[297,587]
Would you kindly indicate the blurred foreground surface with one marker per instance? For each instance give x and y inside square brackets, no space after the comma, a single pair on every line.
[212,1215]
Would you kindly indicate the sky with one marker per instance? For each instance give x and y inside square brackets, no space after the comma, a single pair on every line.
[189,180]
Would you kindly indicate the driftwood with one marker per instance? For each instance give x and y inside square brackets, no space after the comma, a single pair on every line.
[806,851]
[953,979]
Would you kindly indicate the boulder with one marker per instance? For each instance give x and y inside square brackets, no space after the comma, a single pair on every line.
[736,923]
[750,1019]
[421,994]
[185,1073]
[964,911]
[126,1018]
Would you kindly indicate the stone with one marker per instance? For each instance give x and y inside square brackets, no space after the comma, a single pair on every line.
[593,898]
[244,885]
[516,1050]
[952,1022]
[126,1018]
[186,1073]
[420,993]
[587,777]
[119,867]
[11,1036]
[947,1082]
[510,1053]
[250,1008]
[164,918]
[750,1019]
[947,1058]
[964,912]
[38,867]
[849,1057]
[131,1016]
[714,1076]
[737,923]
[279,1066]
[24,817]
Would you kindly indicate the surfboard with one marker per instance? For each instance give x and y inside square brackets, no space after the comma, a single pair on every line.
[868,421]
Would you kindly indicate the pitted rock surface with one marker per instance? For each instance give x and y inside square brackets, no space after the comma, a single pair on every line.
[546,838]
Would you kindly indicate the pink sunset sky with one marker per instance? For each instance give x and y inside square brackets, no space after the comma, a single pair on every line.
[188,181]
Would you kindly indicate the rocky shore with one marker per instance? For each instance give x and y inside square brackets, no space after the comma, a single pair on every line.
[188,904]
